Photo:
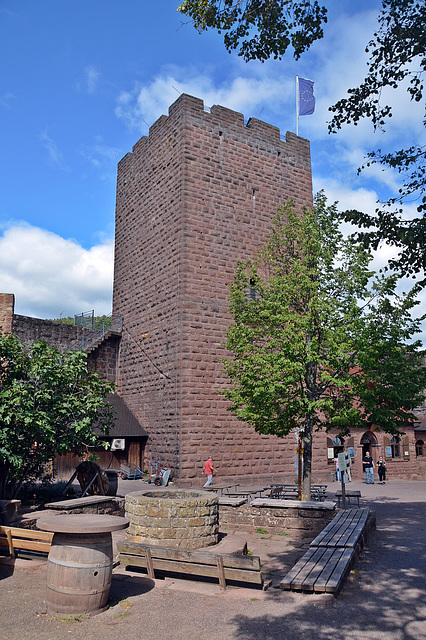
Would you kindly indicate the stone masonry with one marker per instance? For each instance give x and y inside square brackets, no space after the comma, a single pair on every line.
[194,197]
[187,519]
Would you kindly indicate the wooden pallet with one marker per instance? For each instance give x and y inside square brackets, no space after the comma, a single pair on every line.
[224,566]
[25,540]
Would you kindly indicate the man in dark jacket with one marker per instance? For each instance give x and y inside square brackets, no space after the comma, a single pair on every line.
[368,466]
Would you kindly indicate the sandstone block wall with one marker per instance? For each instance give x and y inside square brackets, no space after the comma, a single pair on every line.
[295,521]
[193,197]
[7,308]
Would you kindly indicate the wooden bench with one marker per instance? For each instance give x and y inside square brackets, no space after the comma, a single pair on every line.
[331,555]
[321,569]
[349,495]
[223,566]
[344,530]
[231,501]
[295,504]
[17,539]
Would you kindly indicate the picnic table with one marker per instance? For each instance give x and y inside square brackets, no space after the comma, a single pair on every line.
[220,487]
[283,491]
[247,492]
[349,495]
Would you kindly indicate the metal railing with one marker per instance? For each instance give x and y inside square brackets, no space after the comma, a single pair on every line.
[100,326]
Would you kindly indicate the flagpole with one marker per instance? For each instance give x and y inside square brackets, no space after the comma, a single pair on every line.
[297,105]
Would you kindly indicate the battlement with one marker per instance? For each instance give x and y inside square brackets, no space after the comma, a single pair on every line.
[225,123]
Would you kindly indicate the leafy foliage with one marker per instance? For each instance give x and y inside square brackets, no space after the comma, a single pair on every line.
[49,404]
[260,29]
[397,57]
[317,339]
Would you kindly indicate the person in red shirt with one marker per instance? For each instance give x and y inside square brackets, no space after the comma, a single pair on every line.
[209,470]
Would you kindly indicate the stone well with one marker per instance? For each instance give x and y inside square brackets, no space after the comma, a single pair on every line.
[184,518]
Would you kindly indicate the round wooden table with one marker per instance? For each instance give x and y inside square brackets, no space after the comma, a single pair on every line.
[79,566]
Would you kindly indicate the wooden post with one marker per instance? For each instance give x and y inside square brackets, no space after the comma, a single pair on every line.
[221,572]
[149,564]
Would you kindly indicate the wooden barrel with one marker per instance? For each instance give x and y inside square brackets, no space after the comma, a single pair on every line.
[79,572]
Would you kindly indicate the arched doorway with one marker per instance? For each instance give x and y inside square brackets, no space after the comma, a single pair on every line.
[368,440]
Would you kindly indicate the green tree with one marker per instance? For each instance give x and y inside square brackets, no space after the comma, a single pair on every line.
[49,404]
[397,56]
[317,339]
[260,29]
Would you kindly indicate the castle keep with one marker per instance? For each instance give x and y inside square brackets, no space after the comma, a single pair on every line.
[194,197]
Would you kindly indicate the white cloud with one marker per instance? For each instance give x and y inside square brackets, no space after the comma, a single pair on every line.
[90,81]
[6,99]
[102,157]
[92,76]
[142,106]
[50,275]
[53,151]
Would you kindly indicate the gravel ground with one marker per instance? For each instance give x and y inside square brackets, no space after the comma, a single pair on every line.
[383,598]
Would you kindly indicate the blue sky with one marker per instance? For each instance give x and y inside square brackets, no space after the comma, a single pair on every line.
[80,83]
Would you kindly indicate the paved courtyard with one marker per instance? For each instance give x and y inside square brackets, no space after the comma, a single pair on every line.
[383,598]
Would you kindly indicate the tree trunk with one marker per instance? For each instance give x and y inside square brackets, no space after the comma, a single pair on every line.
[307,458]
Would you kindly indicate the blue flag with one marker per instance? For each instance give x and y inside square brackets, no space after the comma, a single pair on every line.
[306,97]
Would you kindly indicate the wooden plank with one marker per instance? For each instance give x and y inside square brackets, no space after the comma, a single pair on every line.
[338,535]
[335,572]
[31,545]
[310,580]
[192,568]
[323,578]
[349,537]
[228,501]
[331,529]
[301,577]
[221,572]
[31,534]
[293,504]
[149,564]
[286,582]
[190,555]
[340,572]
[26,539]
[359,528]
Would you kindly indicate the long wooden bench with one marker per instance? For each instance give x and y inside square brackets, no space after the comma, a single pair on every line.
[17,539]
[331,555]
[308,504]
[344,530]
[223,566]
[321,569]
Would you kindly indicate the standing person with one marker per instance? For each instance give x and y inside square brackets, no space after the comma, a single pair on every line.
[209,470]
[381,467]
[338,473]
[368,466]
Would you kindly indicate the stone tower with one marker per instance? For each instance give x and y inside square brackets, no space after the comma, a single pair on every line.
[193,197]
